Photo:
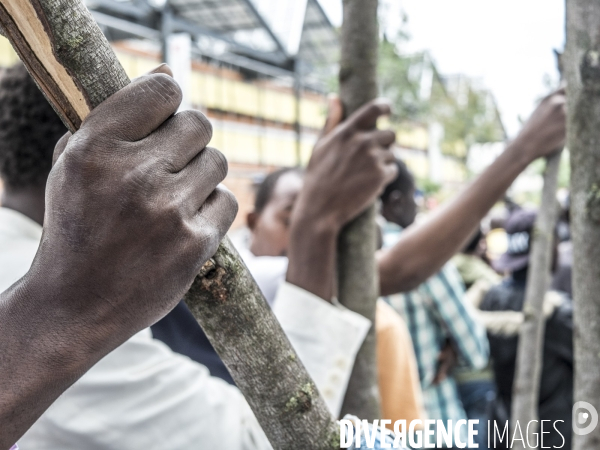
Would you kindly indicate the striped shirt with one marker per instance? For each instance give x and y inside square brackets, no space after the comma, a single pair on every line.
[434,313]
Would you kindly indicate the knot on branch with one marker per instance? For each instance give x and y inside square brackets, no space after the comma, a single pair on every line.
[213,280]
[346,73]
[590,70]
[592,204]
[302,401]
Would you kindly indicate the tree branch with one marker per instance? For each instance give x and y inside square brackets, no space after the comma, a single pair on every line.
[582,73]
[358,287]
[526,385]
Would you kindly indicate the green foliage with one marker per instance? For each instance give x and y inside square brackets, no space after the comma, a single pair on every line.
[399,82]
[428,187]
[420,94]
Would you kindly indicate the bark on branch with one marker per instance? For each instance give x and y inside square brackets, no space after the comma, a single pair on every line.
[75,67]
[358,287]
[526,384]
[582,73]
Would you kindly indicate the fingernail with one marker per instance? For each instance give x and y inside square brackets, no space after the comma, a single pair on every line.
[163,68]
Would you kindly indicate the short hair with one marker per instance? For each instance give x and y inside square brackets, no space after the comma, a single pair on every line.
[265,189]
[29,130]
[404,181]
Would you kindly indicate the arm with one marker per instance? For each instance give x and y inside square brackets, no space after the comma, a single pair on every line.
[98,276]
[424,248]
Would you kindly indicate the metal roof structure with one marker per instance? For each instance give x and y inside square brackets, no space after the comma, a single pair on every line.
[291,38]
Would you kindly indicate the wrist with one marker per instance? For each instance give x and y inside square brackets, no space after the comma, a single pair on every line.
[312,252]
[60,340]
[310,220]
[521,152]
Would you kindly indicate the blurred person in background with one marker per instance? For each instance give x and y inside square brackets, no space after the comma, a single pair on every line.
[426,247]
[472,263]
[266,254]
[476,388]
[443,328]
[448,327]
[503,306]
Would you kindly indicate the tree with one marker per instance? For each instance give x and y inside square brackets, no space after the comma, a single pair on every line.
[75,67]
[526,385]
[467,112]
[358,287]
[582,73]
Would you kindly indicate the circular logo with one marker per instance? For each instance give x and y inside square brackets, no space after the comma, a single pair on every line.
[585,418]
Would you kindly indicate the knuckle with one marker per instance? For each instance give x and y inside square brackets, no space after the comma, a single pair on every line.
[172,210]
[166,87]
[209,236]
[390,135]
[346,132]
[138,191]
[200,124]
[230,203]
[216,162]
[369,142]
[377,108]
[370,110]
[71,160]
[172,219]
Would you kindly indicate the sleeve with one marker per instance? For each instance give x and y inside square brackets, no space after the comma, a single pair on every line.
[144,396]
[457,317]
[326,337]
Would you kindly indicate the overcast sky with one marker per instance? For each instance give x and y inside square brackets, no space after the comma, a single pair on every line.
[506,43]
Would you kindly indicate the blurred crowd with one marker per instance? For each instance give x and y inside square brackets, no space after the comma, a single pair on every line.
[452,284]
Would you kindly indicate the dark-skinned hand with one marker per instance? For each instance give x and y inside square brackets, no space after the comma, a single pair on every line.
[545,131]
[133,210]
[133,207]
[351,164]
[447,360]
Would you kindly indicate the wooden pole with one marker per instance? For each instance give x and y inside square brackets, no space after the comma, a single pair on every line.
[582,73]
[358,287]
[528,373]
[75,67]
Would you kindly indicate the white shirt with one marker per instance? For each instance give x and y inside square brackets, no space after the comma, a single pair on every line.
[296,310]
[143,396]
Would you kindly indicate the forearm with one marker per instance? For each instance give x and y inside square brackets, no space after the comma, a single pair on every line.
[42,355]
[425,247]
[312,253]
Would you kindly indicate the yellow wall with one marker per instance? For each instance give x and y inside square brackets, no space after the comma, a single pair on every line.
[260,102]
[256,143]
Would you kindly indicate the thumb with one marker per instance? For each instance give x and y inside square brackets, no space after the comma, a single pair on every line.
[63,141]
[335,115]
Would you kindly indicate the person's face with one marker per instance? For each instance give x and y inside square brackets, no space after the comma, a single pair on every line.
[270,229]
[400,208]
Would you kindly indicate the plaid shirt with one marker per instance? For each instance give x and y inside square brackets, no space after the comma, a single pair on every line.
[435,312]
